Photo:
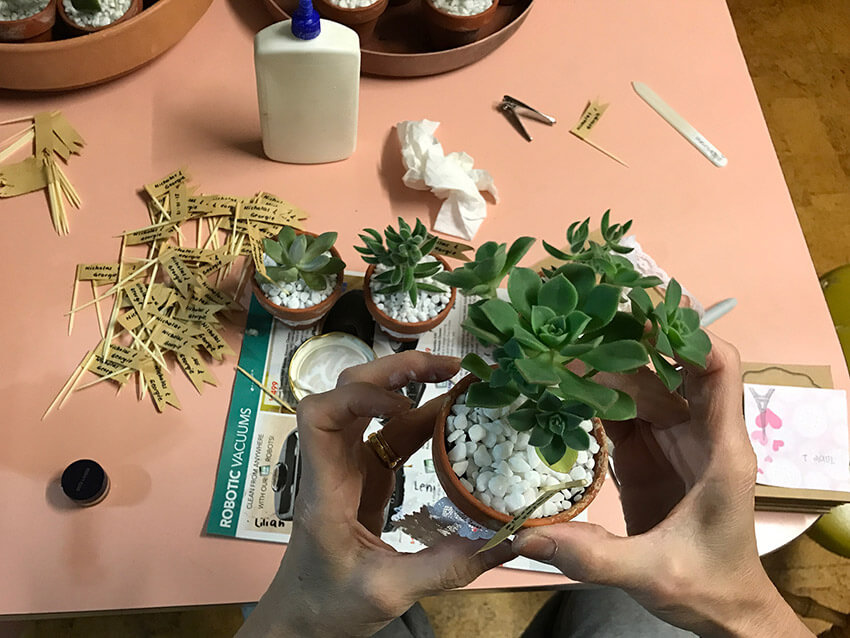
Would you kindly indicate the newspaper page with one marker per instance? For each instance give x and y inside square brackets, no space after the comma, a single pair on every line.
[259,469]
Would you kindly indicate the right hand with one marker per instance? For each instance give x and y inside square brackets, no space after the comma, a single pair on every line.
[691,557]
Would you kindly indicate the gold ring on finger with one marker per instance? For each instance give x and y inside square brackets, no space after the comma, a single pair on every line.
[384,452]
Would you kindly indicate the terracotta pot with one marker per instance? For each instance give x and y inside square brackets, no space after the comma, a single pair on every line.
[73,27]
[396,329]
[300,318]
[449,30]
[362,19]
[478,511]
[36,28]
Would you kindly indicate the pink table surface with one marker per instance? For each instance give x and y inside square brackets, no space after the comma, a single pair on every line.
[728,232]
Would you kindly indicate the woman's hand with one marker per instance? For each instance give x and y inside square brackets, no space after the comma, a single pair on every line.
[687,480]
[337,577]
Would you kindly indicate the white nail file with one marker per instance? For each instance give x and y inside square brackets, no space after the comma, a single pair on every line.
[680,124]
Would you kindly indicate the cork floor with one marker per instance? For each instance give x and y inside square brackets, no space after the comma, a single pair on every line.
[798,52]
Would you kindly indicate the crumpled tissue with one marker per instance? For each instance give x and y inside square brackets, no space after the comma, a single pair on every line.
[450,177]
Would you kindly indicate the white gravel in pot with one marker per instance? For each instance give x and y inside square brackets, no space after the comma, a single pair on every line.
[298,294]
[398,306]
[17,10]
[352,4]
[463,7]
[498,466]
[111,10]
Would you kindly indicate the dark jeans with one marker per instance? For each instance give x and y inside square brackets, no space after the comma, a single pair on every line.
[582,613]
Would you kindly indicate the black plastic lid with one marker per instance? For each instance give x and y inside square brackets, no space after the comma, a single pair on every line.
[84,481]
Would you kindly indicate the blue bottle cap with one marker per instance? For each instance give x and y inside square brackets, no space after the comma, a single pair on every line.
[305,21]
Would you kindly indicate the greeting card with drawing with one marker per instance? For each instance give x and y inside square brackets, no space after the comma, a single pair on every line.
[799,436]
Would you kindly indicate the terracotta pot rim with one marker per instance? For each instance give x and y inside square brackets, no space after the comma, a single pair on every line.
[297,314]
[60,8]
[353,16]
[416,327]
[35,16]
[445,472]
[475,21]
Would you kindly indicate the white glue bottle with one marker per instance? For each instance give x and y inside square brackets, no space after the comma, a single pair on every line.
[308,86]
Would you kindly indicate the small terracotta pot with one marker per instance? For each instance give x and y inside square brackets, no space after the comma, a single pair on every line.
[299,318]
[396,329]
[478,511]
[449,30]
[76,29]
[36,28]
[362,19]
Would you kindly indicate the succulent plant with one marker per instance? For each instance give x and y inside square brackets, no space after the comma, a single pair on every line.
[301,256]
[492,264]
[405,249]
[563,327]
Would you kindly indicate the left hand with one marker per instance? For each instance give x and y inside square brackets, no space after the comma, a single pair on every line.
[337,577]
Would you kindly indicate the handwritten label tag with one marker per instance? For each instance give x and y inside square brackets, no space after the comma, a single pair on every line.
[213,342]
[518,520]
[22,177]
[159,386]
[255,243]
[193,365]
[158,189]
[181,275]
[590,118]
[71,140]
[452,249]
[150,234]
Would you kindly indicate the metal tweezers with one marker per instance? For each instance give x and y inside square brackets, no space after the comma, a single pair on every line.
[509,105]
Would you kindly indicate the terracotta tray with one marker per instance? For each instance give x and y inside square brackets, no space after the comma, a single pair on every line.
[98,57]
[400,48]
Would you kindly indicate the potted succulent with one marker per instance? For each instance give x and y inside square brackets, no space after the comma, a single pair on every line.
[532,420]
[399,289]
[360,15]
[303,277]
[454,23]
[26,20]
[88,16]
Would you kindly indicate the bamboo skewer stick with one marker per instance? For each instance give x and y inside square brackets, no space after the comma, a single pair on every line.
[18,120]
[16,146]
[73,303]
[76,380]
[266,390]
[68,383]
[97,309]
[115,287]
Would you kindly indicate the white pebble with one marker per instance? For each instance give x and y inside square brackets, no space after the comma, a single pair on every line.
[498,485]
[460,409]
[461,422]
[477,433]
[467,485]
[454,436]
[482,457]
[483,480]
[498,504]
[514,502]
[504,469]
[594,446]
[457,453]
[519,464]
[460,467]
[586,425]
[490,440]
[503,450]
[578,474]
